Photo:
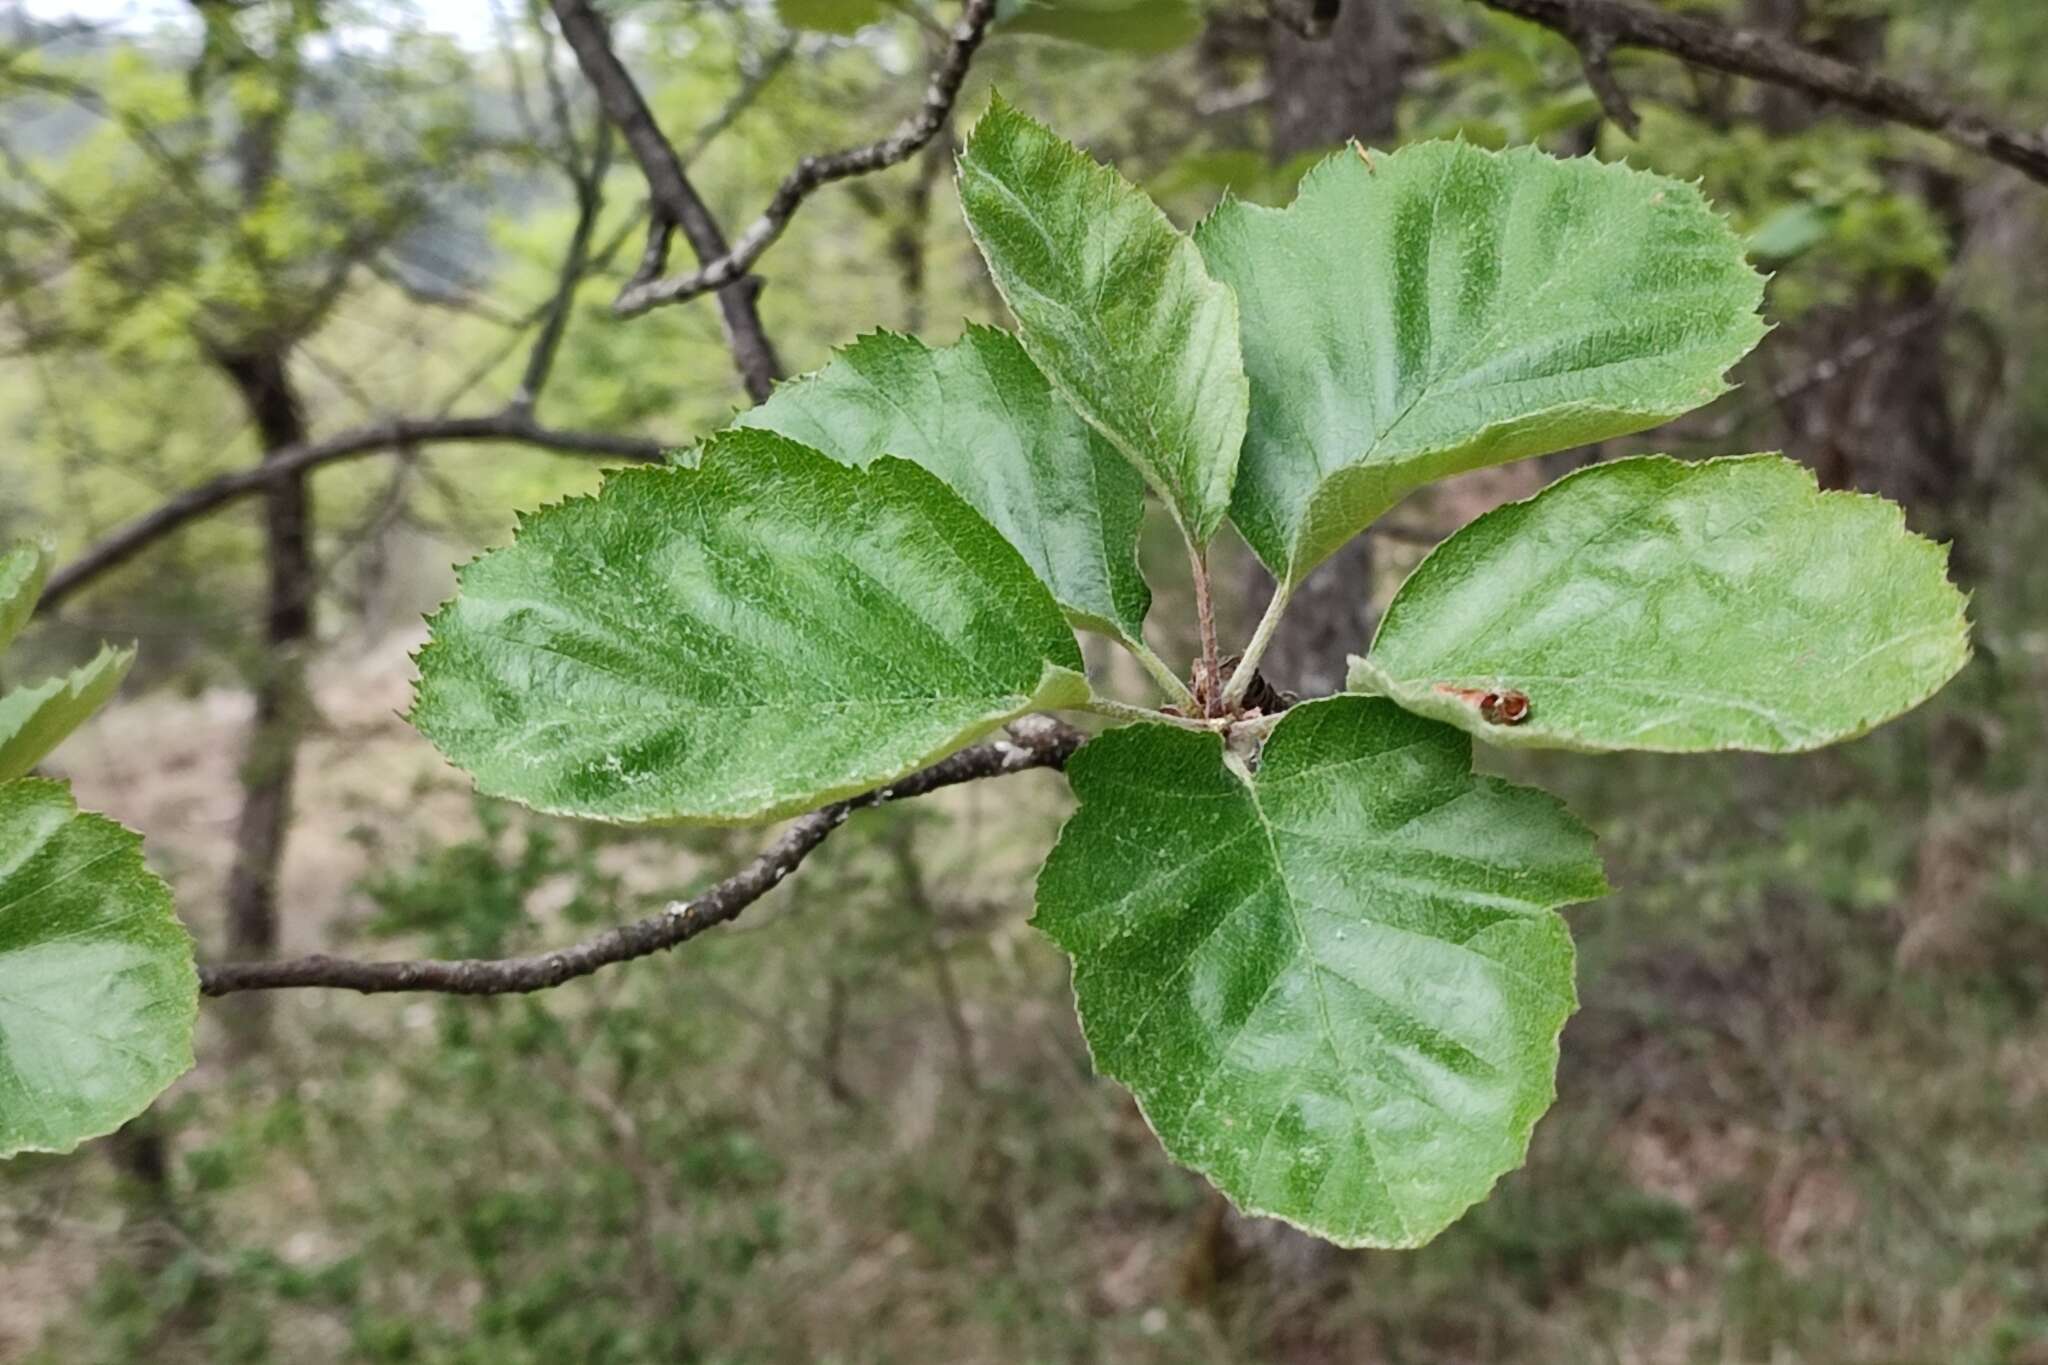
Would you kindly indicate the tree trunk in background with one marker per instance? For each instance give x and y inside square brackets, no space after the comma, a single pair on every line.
[1345,85]
[268,767]
[254,353]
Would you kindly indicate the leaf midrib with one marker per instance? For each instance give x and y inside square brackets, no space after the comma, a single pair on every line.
[1329,1031]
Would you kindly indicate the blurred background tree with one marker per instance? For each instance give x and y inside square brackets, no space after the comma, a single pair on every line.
[332,283]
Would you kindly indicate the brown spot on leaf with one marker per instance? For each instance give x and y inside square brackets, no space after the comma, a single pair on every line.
[1496,707]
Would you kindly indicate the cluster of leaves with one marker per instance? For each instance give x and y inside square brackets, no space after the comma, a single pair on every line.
[97,989]
[1322,952]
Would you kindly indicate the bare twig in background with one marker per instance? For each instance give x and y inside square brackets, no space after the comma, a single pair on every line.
[753,80]
[453,299]
[1833,366]
[821,1065]
[910,878]
[558,94]
[1595,46]
[719,270]
[518,327]
[676,203]
[1034,742]
[833,1043]
[515,422]
[588,183]
[1829,368]
[1611,24]
[395,434]
[661,231]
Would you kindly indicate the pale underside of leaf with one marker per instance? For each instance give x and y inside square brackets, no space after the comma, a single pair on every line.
[980,416]
[1335,986]
[36,718]
[98,992]
[1445,308]
[1116,308]
[753,637]
[1653,604]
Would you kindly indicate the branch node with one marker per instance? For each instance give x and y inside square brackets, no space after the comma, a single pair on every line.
[1595,46]
[720,269]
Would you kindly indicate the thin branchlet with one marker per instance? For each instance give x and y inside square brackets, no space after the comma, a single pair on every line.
[1032,742]
[1598,27]
[719,270]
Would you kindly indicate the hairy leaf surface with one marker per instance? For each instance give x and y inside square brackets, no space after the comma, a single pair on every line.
[98,993]
[1335,987]
[738,641]
[1115,306]
[34,719]
[980,416]
[1446,308]
[1654,604]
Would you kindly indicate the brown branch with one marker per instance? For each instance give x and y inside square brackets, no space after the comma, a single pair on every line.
[1862,348]
[722,269]
[675,199]
[588,184]
[455,299]
[558,97]
[1595,46]
[660,231]
[1034,742]
[1745,52]
[287,464]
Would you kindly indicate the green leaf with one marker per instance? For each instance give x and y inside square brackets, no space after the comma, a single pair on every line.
[980,416]
[1335,987]
[740,641]
[34,719]
[22,571]
[831,16]
[98,993]
[1446,308]
[1120,25]
[1652,604]
[1791,232]
[1115,306]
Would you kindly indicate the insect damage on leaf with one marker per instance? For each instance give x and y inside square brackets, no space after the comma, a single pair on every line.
[1504,707]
